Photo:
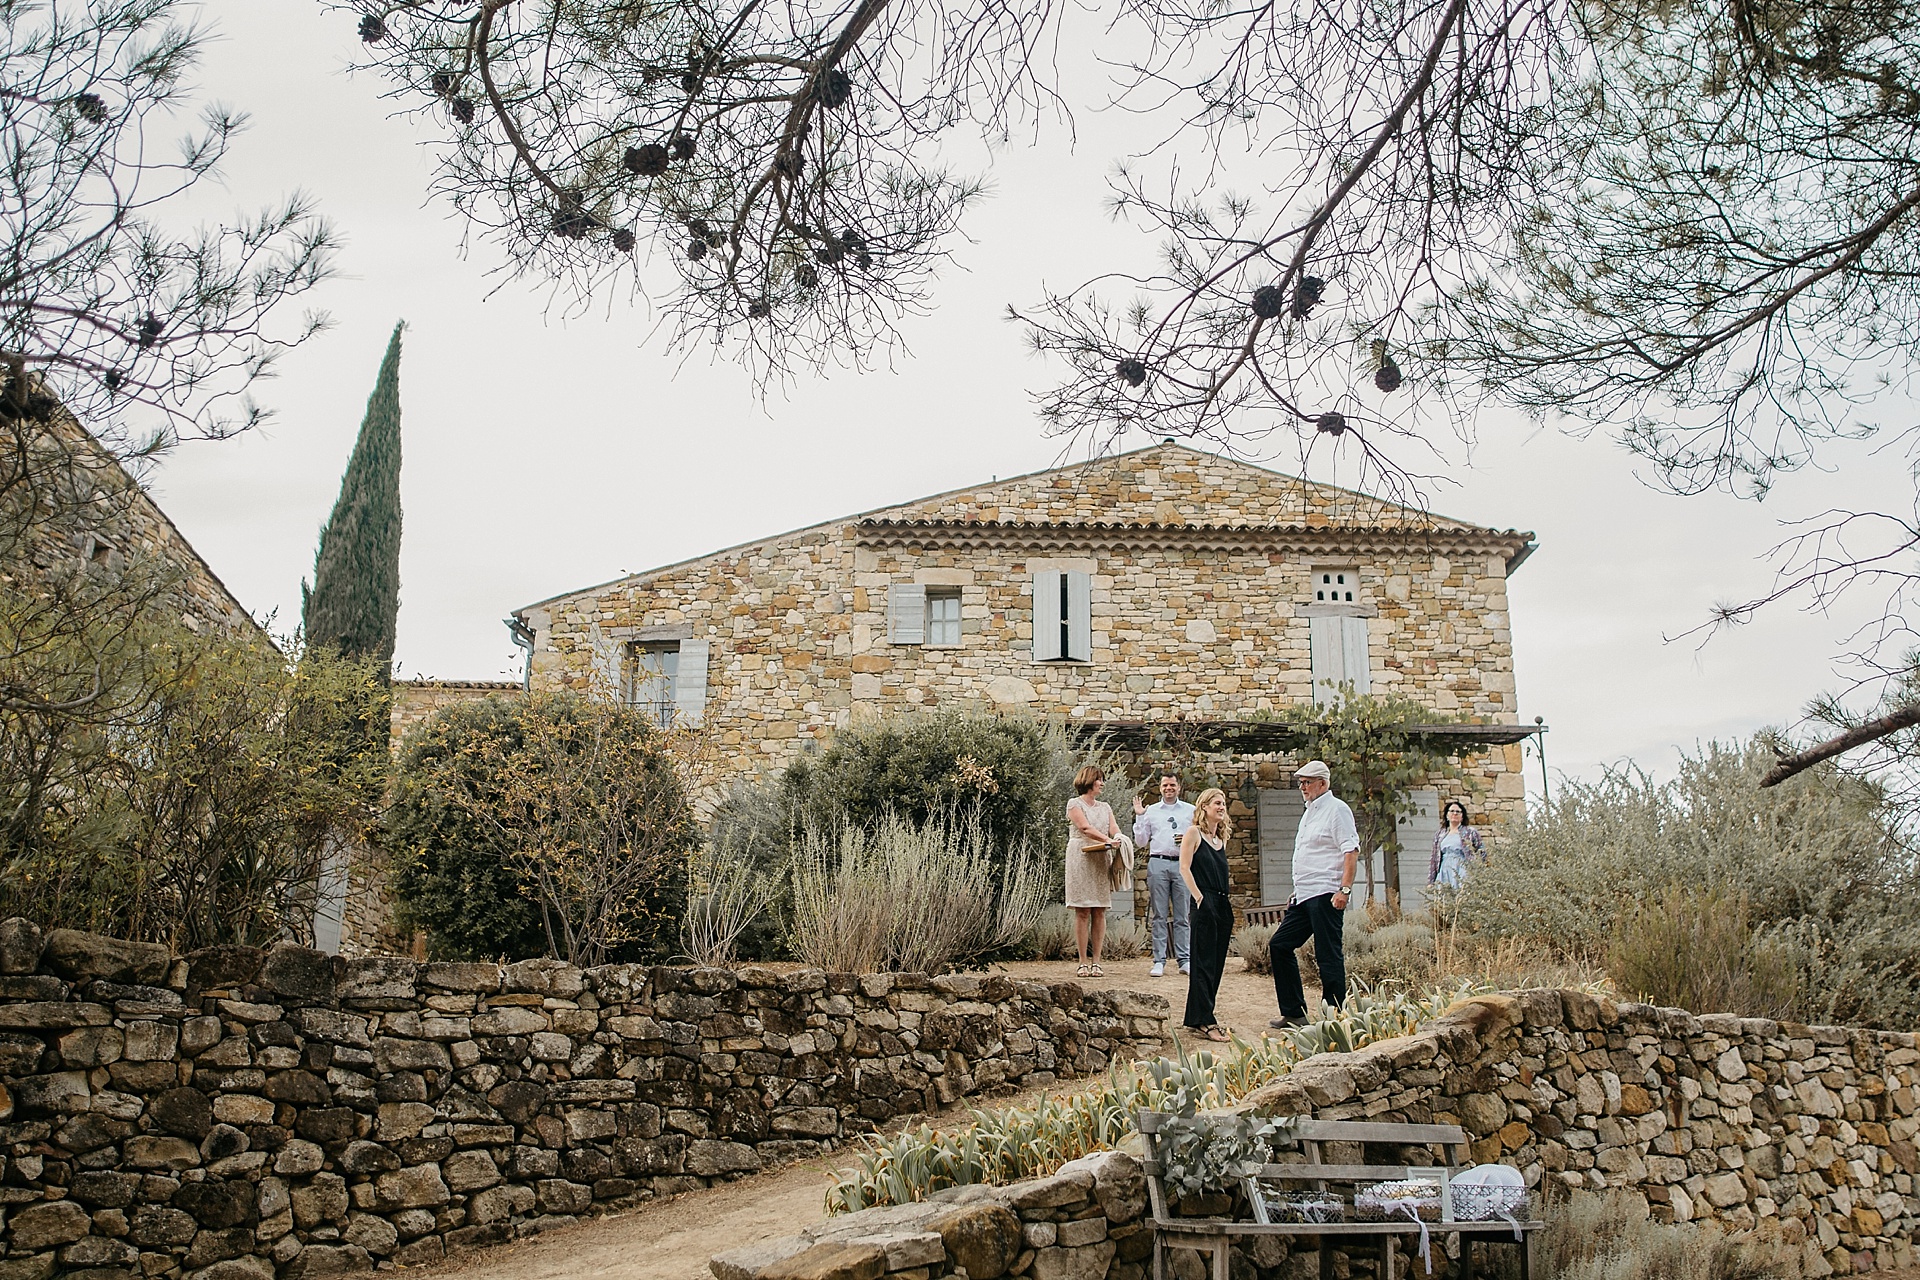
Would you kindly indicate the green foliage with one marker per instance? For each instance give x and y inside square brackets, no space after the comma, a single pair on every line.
[450,870]
[1014,1143]
[1400,951]
[1017,773]
[203,814]
[1700,950]
[1827,878]
[1205,1154]
[354,604]
[583,804]
[1376,762]
[1014,774]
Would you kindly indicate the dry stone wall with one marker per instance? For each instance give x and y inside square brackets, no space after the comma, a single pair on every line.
[237,1114]
[1735,1121]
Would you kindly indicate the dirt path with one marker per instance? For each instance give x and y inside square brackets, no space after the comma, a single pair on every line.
[672,1239]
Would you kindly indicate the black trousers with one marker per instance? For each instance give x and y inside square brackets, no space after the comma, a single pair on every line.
[1212,929]
[1325,923]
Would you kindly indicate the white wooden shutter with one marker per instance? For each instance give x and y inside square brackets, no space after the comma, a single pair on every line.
[1353,652]
[1079,617]
[1046,615]
[1278,815]
[906,613]
[1324,644]
[1415,831]
[690,683]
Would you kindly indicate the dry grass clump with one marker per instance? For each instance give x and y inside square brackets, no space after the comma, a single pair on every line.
[910,898]
[1126,938]
[1052,937]
[1610,1237]
[1250,944]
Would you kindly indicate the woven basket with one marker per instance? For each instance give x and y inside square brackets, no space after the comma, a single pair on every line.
[1376,1204]
[1481,1204]
[1310,1207]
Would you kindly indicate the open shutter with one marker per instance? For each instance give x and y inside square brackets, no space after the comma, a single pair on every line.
[1079,617]
[1353,653]
[690,683]
[1046,615]
[1324,637]
[1415,831]
[906,613]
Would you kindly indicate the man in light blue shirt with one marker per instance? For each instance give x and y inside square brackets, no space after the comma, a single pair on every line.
[1157,828]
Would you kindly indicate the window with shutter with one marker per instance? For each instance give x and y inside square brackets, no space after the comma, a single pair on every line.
[1354,665]
[1062,616]
[654,676]
[943,615]
[906,613]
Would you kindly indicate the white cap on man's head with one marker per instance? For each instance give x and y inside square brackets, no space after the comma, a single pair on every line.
[1314,769]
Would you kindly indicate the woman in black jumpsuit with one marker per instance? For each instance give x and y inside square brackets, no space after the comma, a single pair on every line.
[1203,864]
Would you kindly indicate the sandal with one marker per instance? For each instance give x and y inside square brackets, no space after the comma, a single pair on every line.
[1084,971]
[1218,1034]
[1097,972]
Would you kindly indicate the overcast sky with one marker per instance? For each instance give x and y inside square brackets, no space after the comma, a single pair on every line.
[544,455]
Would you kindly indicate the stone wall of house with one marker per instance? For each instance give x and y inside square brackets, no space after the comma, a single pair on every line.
[1189,617]
[416,701]
[1735,1121]
[236,1114]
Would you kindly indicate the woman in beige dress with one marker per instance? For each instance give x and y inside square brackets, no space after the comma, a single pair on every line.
[1093,841]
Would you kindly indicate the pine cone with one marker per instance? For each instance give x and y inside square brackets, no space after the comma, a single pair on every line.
[690,84]
[830,253]
[113,380]
[573,223]
[805,276]
[851,240]
[696,250]
[1268,301]
[372,27]
[1387,376]
[1306,296]
[759,309]
[90,107]
[443,84]
[680,146]
[148,331]
[649,161]
[836,89]
[463,110]
[1131,371]
[788,164]
[697,227]
[1332,424]
[623,240]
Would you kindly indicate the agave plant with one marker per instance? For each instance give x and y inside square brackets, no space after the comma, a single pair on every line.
[1015,1143]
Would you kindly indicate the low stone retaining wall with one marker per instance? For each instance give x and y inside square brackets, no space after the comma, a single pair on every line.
[238,1113]
[1731,1120]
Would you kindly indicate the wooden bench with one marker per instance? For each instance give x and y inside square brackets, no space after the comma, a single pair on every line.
[1216,1235]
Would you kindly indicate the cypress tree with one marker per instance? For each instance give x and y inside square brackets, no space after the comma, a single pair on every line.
[354,604]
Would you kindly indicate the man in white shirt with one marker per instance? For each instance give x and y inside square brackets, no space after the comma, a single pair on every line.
[1157,829]
[1325,850]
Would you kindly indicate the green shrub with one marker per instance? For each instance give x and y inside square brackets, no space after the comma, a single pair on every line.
[1126,939]
[1401,951]
[582,812]
[450,871]
[1828,877]
[1699,950]
[204,812]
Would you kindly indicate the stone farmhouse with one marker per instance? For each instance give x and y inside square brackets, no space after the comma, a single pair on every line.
[1165,588]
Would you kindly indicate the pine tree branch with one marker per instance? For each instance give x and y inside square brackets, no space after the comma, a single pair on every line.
[1873,730]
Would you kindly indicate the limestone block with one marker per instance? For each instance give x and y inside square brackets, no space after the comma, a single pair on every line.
[415,1187]
[1087,1263]
[832,1261]
[984,1239]
[81,956]
[48,1224]
[21,943]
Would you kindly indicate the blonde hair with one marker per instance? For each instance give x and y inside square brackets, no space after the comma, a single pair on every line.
[1200,815]
[1083,781]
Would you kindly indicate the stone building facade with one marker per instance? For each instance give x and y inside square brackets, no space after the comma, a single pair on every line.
[1161,585]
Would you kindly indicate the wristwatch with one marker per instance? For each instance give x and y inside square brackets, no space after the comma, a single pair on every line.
[1347,889]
